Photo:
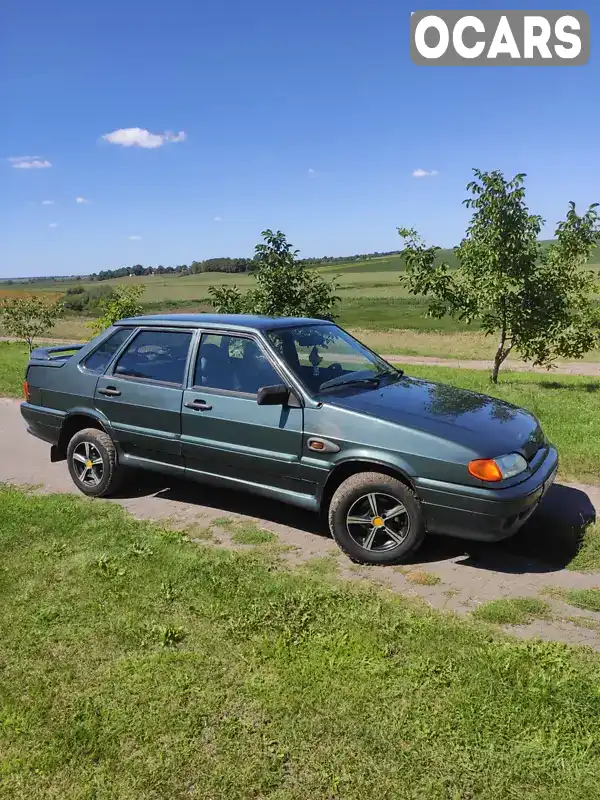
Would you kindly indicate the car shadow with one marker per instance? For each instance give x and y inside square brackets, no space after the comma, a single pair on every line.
[592,386]
[227,501]
[547,542]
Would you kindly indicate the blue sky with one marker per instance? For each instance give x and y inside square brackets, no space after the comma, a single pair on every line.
[308,117]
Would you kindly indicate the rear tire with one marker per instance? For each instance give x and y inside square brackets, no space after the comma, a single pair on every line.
[376,519]
[93,464]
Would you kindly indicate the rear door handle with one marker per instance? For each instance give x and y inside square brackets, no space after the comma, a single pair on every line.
[110,391]
[198,405]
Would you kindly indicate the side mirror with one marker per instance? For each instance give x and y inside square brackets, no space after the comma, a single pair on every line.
[273,395]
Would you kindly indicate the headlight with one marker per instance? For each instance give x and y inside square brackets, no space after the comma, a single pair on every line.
[497,469]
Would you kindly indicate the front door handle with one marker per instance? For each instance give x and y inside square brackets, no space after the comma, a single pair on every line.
[110,391]
[198,405]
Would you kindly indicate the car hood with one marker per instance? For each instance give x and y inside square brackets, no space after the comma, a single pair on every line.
[485,424]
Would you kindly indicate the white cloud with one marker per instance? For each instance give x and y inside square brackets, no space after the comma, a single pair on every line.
[81,201]
[135,238]
[47,202]
[140,137]
[53,225]
[29,162]
[218,219]
[424,173]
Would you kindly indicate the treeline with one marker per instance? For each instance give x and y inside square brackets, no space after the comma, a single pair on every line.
[209,265]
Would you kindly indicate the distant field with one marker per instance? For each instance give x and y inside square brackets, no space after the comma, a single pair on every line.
[385,313]
[372,300]
[384,264]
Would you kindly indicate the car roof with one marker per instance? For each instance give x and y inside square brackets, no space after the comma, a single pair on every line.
[247,322]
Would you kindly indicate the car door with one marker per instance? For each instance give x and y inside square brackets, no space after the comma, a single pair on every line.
[142,394]
[224,430]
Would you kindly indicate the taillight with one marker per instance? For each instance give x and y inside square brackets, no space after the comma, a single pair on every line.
[26,391]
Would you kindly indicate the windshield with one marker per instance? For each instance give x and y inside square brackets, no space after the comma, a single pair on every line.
[324,357]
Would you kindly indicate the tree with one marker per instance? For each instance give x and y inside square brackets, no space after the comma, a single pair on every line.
[536,301]
[122,303]
[28,318]
[285,286]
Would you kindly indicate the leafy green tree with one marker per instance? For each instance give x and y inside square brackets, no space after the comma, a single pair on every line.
[286,287]
[28,318]
[123,302]
[228,300]
[536,301]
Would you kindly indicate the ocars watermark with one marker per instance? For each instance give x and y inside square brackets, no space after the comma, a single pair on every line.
[500,38]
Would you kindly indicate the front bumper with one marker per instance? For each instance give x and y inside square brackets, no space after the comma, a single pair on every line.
[487,515]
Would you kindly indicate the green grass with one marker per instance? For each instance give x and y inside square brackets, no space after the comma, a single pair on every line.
[583,598]
[13,359]
[585,622]
[135,664]
[324,566]
[588,557]
[249,533]
[513,611]
[383,313]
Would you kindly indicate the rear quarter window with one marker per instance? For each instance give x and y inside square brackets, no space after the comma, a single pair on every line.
[101,357]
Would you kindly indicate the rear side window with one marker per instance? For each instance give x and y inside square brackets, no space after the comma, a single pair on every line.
[156,356]
[101,357]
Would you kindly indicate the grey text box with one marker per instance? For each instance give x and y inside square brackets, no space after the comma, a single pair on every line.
[450,38]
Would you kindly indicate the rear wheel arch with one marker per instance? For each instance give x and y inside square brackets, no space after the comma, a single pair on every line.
[73,423]
[351,467]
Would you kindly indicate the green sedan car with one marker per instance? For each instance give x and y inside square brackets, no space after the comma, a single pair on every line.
[292,409]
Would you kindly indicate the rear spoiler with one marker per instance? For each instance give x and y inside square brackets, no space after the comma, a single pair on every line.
[57,355]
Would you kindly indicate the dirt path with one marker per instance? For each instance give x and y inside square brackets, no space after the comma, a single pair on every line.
[562,368]
[41,343]
[467,573]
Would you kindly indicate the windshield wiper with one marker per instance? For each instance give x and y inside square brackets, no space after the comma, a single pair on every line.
[374,378]
[343,381]
[392,373]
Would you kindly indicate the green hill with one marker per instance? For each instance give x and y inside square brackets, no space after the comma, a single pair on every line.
[395,263]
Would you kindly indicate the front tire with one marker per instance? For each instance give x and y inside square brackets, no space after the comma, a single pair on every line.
[376,519]
[93,464]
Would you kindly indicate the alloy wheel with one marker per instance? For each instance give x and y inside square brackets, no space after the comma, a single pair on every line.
[88,464]
[378,522]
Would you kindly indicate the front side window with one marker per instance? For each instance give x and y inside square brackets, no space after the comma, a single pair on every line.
[233,364]
[324,357]
[99,360]
[156,356]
